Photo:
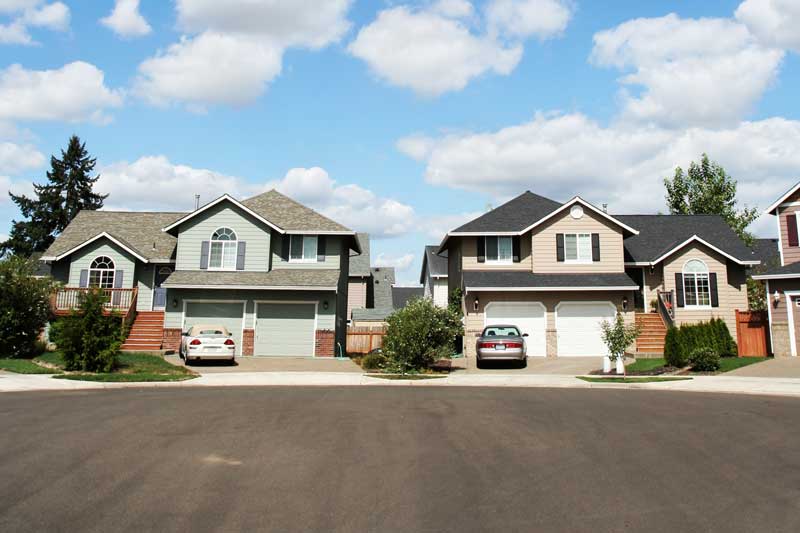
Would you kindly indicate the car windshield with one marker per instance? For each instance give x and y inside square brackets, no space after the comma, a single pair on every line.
[501,331]
[210,332]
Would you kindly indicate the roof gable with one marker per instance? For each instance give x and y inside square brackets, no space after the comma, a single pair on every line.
[513,216]
[787,195]
[215,202]
[435,263]
[584,203]
[359,264]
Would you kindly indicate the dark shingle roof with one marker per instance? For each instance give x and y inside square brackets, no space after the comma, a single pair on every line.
[383,278]
[295,277]
[140,231]
[658,234]
[402,295]
[505,279]
[514,215]
[436,263]
[359,264]
[766,251]
[290,215]
[792,269]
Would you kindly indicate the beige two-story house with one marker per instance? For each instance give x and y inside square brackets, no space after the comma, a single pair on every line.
[557,270]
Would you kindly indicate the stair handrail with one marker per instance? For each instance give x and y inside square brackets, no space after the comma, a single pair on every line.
[666,307]
[130,315]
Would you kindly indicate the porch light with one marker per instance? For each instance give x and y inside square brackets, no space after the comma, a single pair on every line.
[476,304]
[624,303]
[325,305]
[174,302]
[776,297]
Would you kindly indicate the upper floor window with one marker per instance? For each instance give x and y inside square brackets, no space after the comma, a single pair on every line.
[499,250]
[578,247]
[222,254]
[696,287]
[303,248]
[101,273]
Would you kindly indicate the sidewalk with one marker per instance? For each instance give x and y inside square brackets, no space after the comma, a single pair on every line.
[10,382]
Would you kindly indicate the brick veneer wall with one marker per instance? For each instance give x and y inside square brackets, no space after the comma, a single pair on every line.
[248,342]
[171,339]
[325,340]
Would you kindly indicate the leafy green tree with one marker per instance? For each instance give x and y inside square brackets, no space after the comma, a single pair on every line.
[69,189]
[618,336]
[24,307]
[706,189]
[419,335]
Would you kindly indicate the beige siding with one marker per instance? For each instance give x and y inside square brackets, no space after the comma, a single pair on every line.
[731,284]
[779,318]
[356,295]
[612,257]
[83,258]
[791,254]
[653,282]
[333,247]
[469,260]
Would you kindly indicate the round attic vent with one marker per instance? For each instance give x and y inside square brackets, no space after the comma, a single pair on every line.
[576,211]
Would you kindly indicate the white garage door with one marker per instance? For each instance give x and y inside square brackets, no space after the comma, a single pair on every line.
[285,329]
[578,325]
[229,315]
[529,317]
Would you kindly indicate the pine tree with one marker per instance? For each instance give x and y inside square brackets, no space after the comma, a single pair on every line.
[69,189]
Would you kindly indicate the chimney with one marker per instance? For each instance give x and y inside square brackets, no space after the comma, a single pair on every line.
[605,208]
[196,202]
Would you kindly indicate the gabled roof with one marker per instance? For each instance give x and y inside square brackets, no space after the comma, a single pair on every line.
[402,295]
[359,264]
[768,252]
[662,235]
[224,198]
[790,271]
[506,280]
[435,263]
[280,279]
[137,232]
[584,203]
[291,216]
[511,217]
[783,198]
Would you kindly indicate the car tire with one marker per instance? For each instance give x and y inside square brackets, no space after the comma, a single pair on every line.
[186,360]
[478,363]
[523,363]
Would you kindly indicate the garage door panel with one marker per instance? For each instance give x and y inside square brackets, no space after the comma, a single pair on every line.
[230,315]
[285,329]
[529,317]
[578,327]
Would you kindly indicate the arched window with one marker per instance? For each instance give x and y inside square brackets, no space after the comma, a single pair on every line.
[101,273]
[696,288]
[222,255]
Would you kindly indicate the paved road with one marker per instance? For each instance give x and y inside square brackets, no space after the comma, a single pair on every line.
[398,459]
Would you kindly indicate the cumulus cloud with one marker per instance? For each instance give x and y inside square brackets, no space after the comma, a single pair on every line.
[16,158]
[774,22]
[692,72]
[435,227]
[8,185]
[232,50]
[75,93]
[126,21]
[31,14]
[528,18]
[401,263]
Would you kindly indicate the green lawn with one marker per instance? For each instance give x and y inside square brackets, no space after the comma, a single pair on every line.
[51,358]
[645,379]
[134,367]
[726,364]
[24,366]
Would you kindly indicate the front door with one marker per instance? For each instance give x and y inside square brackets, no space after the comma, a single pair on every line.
[159,292]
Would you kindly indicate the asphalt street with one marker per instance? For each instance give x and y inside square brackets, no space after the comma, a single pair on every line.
[398,459]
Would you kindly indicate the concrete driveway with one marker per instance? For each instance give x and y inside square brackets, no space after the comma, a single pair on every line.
[572,366]
[394,459]
[270,364]
[780,367]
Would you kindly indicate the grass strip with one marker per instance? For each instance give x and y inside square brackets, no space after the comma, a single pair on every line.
[645,379]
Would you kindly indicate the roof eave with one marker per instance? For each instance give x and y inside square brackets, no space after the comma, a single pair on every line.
[695,238]
[104,234]
[770,210]
[548,289]
[570,203]
[212,203]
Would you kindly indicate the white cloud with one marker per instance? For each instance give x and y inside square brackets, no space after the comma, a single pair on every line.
[16,158]
[453,8]
[774,22]
[126,21]
[560,156]
[8,185]
[27,14]
[435,227]
[76,92]
[235,48]
[400,263]
[695,72]
[352,205]
[528,18]
[429,52]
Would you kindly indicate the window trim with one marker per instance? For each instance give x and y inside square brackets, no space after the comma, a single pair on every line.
[707,275]
[101,271]
[213,241]
[303,259]
[579,260]
[498,261]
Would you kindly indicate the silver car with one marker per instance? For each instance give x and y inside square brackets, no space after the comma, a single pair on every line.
[501,343]
[207,342]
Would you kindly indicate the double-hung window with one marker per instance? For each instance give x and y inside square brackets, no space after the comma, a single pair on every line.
[222,254]
[578,247]
[499,250]
[696,286]
[303,249]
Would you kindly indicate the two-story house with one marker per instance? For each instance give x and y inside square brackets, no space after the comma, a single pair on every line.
[557,270]
[433,276]
[271,270]
[783,282]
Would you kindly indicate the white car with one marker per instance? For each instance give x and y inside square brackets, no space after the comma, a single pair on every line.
[207,342]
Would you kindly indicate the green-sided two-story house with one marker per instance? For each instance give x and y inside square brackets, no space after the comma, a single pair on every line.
[273,271]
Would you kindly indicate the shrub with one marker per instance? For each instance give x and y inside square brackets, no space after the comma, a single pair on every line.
[618,336]
[682,342]
[373,361]
[673,354]
[24,307]
[420,334]
[704,359]
[89,339]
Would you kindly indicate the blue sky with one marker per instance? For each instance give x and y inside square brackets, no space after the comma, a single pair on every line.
[403,119]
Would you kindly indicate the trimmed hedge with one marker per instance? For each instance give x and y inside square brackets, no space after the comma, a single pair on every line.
[682,342]
[704,359]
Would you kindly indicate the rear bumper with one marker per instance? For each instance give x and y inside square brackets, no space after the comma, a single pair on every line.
[501,355]
[216,354]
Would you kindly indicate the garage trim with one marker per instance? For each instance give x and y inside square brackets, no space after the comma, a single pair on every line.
[519,304]
[212,301]
[595,302]
[315,303]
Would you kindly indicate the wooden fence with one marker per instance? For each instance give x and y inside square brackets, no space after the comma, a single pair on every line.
[364,339]
[752,330]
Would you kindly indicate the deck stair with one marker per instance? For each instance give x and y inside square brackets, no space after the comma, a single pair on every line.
[147,332]
[653,332]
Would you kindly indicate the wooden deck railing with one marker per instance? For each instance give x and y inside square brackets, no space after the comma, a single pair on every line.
[666,307]
[122,301]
